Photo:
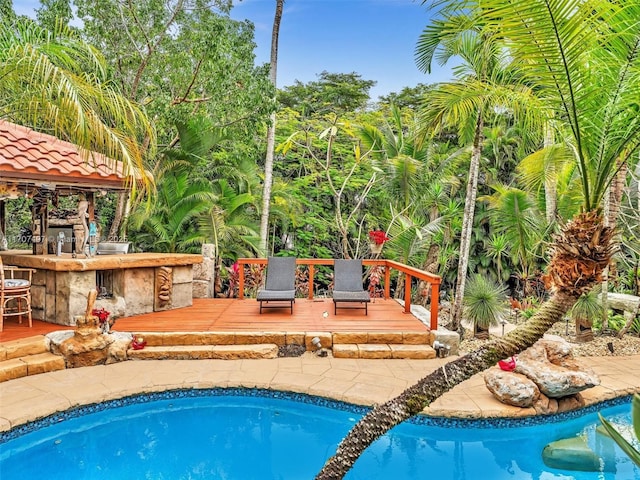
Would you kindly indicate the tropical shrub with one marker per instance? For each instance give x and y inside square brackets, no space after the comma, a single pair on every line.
[485,303]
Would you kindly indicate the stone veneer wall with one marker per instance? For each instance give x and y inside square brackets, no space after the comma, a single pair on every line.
[64,294]
[203,278]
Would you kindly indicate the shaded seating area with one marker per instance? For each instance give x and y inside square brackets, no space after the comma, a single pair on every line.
[348,287]
[15,292]
[279,285]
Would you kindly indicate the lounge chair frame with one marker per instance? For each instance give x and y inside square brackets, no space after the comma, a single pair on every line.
[347,285]
[279,284]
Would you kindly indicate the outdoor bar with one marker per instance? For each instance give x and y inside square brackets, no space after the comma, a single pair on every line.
[66,248]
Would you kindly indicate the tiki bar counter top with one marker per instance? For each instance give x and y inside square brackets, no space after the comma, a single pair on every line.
[127,284]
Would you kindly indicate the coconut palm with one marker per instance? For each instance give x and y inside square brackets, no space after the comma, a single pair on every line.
[485,84]
[583,59]
[54,82]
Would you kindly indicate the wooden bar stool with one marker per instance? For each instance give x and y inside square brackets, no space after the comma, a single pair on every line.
[15,292]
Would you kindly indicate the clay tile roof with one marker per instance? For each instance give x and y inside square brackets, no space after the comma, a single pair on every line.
[30,156]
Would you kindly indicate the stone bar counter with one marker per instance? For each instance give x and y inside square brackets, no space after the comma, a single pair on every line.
[127,284]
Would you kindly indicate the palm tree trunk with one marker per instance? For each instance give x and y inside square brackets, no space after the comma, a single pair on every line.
[413,400]
[271,134]
[467,224]
[119,218]
[550,181]
[612,200]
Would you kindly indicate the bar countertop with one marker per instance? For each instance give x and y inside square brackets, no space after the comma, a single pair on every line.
[66,263]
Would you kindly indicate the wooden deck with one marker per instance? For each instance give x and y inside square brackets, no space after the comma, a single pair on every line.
[229,315]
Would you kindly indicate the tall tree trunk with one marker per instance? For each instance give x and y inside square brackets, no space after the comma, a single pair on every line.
[271,134]
[467,224]
[118,220]
[611,209]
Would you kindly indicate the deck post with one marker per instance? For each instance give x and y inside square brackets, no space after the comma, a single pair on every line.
[240,280]
[407,293]
[435,297]
[311,273]
[387,281]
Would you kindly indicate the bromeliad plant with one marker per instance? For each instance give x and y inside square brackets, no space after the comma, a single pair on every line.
[378,237]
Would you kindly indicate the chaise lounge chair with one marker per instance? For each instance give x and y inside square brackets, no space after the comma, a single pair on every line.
[280,283]
[347,285]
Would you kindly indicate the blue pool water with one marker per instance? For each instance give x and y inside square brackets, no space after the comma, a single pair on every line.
[251,434]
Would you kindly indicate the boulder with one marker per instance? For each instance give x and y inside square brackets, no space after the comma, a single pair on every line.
[511,389]
[557,376]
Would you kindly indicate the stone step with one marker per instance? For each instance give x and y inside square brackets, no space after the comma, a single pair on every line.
[327,339]
[201,352]
[380,350]
[23,347]
[30,365]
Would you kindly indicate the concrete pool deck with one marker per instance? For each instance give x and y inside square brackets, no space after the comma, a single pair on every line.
[358,381]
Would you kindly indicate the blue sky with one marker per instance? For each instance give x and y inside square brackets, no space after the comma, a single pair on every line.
[374,38]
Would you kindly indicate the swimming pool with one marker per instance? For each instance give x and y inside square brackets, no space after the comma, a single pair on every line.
[243,434]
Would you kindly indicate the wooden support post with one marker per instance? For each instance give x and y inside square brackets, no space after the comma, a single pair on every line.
[407,293]
[311,274]
[387,282]
[240,280]
[435,298]
[3,219]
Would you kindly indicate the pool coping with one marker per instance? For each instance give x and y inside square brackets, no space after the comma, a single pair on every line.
[358,382]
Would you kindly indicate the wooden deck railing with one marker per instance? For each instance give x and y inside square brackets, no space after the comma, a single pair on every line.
[410,273]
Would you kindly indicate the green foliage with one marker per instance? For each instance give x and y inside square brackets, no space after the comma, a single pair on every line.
[588,306]
[52,12]
[615,321]
[337,93]
[54,81]
[485,302]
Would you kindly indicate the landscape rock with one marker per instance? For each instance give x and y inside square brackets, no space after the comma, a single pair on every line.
[547,377]
[510,388]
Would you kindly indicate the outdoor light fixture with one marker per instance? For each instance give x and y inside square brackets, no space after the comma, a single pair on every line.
[442,350]
[503,322]
[321,352]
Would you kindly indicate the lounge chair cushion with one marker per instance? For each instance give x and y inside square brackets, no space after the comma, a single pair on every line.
[347,284]
[274,295]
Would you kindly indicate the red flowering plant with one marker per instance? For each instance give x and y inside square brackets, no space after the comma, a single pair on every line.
[378,237]
[103,318]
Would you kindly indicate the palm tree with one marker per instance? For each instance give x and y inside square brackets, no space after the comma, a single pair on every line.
[516,217]
[52,81]
[229,226]
[583,57]
[485,84]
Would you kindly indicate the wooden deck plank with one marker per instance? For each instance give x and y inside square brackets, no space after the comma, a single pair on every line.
[227,315]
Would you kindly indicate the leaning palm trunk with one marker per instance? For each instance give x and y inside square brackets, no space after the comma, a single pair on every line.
[580,254]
